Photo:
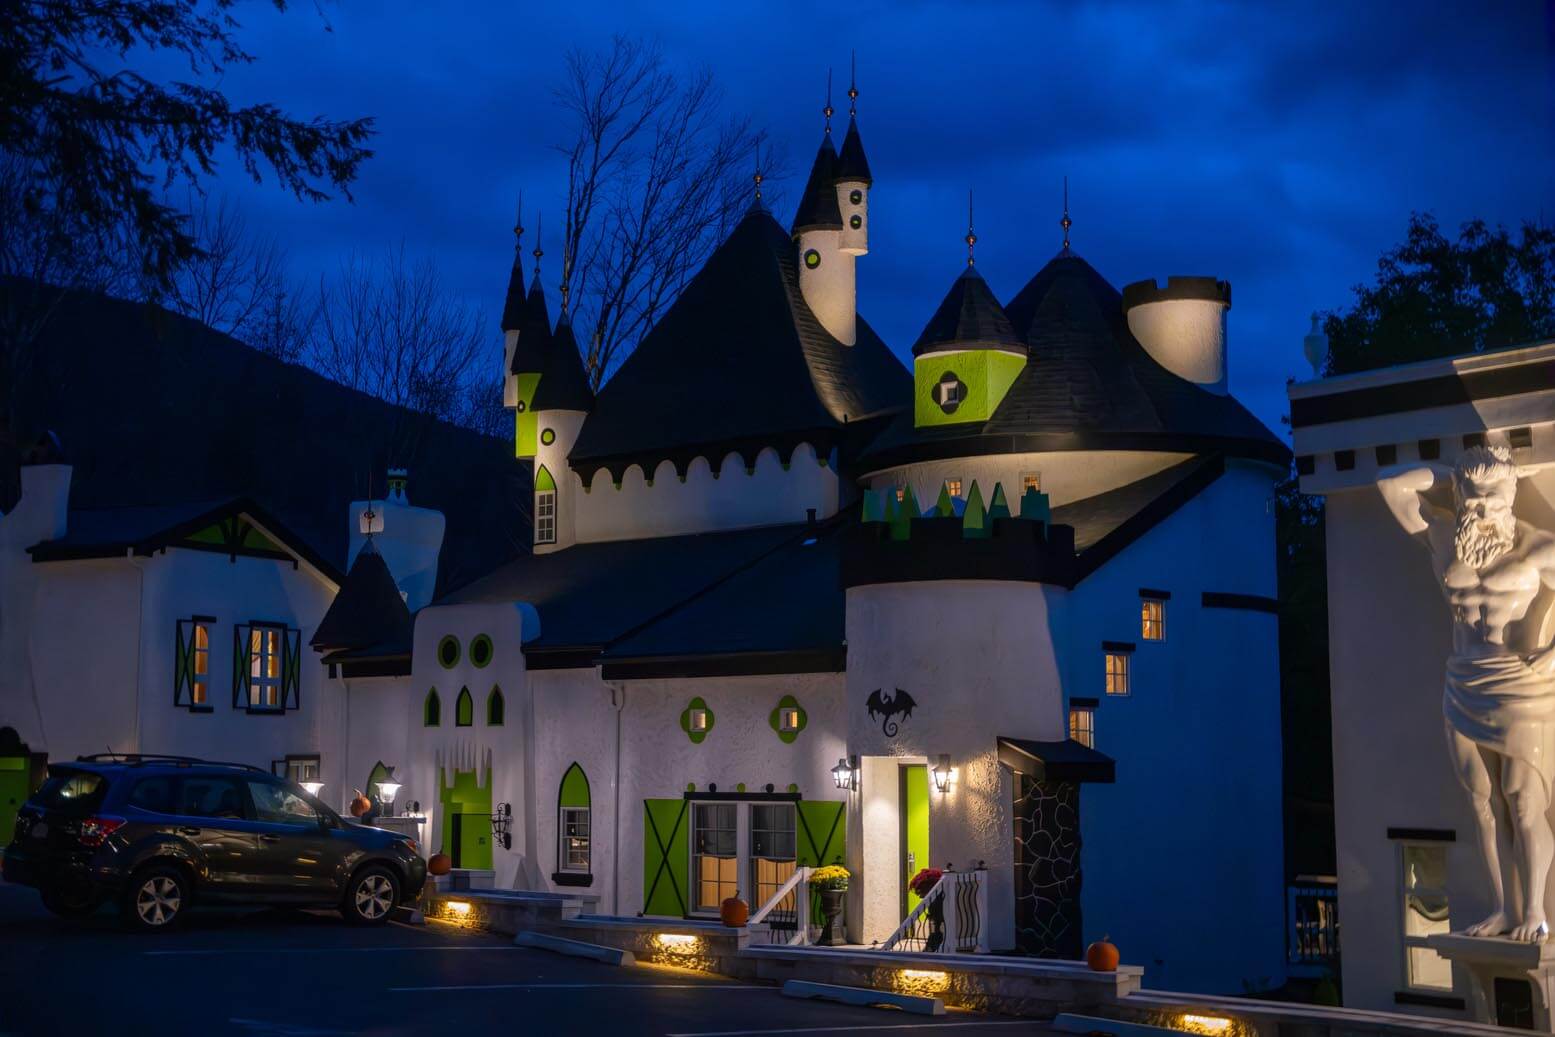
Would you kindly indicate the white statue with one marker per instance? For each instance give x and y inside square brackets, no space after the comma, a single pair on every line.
[1499,703]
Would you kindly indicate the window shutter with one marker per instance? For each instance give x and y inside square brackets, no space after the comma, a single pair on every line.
[291,670]
[821,831]
[183,663]
[242,648]
[666,857]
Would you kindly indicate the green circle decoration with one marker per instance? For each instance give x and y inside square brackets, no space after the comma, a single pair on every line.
[521,407]
[775,719]
[856,196]
[740,787]
[448,651]
[696,720]
[548,436]
[792,787]
[480,651]
[855,221]
[812,258]
[691,786]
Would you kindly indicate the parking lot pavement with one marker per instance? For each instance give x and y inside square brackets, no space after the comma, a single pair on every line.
[307,974]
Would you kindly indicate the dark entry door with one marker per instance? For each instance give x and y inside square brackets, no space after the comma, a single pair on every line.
[1047,867]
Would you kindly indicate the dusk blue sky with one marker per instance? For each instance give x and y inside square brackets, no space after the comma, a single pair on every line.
[1280,147]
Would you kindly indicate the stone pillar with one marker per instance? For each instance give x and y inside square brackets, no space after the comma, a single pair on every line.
[1523,972]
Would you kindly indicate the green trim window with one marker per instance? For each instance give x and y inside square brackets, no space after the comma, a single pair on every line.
[548,436]
[432,710]
[574,842]
[496,708]
[480,651]
[545,507]
[464,709]
[448,652]
[266,667]
[192,664]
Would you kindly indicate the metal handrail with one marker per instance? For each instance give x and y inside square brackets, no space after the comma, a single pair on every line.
[916,913]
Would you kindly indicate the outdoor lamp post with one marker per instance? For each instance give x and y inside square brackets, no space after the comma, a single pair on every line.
[387,790]
[941,772]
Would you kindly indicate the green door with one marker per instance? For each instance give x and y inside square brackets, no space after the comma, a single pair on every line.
[915,828]
[467,821]
[13,793]
[666,856]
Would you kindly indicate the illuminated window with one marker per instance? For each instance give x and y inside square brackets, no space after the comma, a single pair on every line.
[954,486]
[575,839]
[264,667]
[788,719]
[772,851]
[698,720]
[1117,673]
[1152,619]
[1424,887]
[1031,481]
[715,865]
[192,668]
[901,494]
[1082,726]
[545,517]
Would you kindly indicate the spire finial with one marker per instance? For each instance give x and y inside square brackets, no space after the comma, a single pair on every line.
[971,236]
[852,84]
[1066,222]
[539,234]
[518,226]
[828,109]
[757,177]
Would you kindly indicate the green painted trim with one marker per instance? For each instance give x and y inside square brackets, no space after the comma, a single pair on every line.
[823,818]
[1034,505]
[974,519]
[547,436]
[575,788]
[985,374]
[432,710]
[544,482]
[915,818]
[445,641]
[906,510]
[464,709]
[471,800]
[525,423]
[945,507]
[998,507]
[496,708]
[774,720]
[666,856]
[477,643]
[685,720]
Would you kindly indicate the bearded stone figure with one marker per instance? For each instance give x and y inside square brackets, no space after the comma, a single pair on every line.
[1499,702]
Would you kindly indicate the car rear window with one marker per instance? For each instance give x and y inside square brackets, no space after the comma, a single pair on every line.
[154,794]
[72,791]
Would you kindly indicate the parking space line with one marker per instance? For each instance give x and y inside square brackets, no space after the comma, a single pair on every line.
[419,949]
[851,1028]
[584,986]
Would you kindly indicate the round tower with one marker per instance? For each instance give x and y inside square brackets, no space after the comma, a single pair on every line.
[1183,326]
[853,183]
[562,402]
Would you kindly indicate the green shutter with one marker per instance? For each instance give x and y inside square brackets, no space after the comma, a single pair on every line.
[464,709]
[666,857]
[242,647]
[183,663]
[291,670]
[822,829]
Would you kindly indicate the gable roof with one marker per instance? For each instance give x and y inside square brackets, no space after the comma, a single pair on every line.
[234,527]
[564,385]
[368,611]
[1088,385]
[969,317]
[738,357]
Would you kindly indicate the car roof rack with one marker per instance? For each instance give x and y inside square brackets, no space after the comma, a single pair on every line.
[140,759]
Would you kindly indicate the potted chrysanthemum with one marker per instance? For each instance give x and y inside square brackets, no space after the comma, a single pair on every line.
[922,884]
[830,882]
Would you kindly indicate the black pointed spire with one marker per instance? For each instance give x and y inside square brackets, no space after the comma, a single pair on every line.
[534,322]
[513,304]
[969,317]
[564,384]
[368,609]
[818,208]
[852,166]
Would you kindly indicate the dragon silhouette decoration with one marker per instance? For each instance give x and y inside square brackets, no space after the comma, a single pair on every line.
[899,705]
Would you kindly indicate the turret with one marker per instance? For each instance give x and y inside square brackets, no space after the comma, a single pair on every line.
[1183,326]
[409,538]
[853,183]
[826,278]
[529,346]
[968,355]
[561,405]
[513,311]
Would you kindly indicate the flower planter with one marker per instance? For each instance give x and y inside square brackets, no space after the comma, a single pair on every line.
[831,911]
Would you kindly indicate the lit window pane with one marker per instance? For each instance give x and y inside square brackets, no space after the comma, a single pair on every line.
[1425,867]
[1082,727]
[1152,619]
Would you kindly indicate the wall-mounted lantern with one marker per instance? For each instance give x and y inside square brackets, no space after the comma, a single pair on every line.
[502,825]
[845,774]
[942,772]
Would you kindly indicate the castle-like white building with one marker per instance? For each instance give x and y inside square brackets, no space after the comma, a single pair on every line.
[788,603]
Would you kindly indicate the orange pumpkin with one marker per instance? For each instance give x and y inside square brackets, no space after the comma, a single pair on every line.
[360,805]
[1102,956]
[734,912]
[440,864]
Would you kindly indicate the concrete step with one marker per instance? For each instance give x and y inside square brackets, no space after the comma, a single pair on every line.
[863,996]
[574,948]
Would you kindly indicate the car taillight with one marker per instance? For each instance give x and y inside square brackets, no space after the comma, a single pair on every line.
[414,847]
[94,830]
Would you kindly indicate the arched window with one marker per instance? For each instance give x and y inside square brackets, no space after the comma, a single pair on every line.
[573,837]
[496,709]
[432,710]
[545,507]
[464,709]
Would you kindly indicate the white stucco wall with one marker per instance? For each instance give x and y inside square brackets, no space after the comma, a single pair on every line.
[575,722]
[829,289]
[1066,475]
[1183,854]
[736,499]
[980,659]
[1185,336]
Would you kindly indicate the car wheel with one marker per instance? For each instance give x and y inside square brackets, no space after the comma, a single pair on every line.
[155,899]
[72,901]
[371,897]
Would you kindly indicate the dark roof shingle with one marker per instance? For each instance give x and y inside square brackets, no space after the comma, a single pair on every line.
[969,317]
[367,611]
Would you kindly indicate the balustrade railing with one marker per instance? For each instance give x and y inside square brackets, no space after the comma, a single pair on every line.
[950,919]
[785,917]
[1314,924]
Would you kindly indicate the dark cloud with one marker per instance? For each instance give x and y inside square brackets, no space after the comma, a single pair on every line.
[1280,146]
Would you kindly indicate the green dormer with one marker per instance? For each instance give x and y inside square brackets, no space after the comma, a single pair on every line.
[967,357]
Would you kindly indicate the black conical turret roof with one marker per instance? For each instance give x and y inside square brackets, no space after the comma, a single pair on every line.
[534,333]
[818,205]
[564,384]
[368,610]
[969,318]
[851,164]
[513,305]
